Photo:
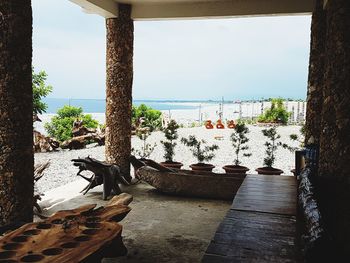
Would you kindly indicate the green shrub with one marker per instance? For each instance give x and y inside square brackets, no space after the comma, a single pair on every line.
[61,125]
[277,113]
[151,118]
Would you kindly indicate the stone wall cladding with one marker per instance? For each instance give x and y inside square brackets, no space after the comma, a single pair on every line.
[16,112]
[120,39]
[316,74]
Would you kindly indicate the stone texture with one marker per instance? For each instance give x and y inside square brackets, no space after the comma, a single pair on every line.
[120,38]
[335,134]
[16,112]
[316,74]
[334,165]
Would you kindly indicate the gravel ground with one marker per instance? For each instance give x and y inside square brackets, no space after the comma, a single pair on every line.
[61,170]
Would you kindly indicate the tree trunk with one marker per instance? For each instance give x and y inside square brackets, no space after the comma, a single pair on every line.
[120,37]
[316,74]
[16,112]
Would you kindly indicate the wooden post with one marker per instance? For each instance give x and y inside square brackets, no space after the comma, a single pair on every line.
[16,112]
[120,39]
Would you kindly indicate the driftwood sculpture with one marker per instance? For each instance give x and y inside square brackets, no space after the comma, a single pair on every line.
[103,173]
[38,174]
[42,143]
[84,234]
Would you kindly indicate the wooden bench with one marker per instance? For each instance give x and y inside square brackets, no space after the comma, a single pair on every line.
[261,224]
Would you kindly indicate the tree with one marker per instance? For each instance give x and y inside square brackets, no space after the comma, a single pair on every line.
[239,139]
[170,133]
[40,91]
[202,154]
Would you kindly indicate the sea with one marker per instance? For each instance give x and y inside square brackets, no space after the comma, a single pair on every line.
[99,105]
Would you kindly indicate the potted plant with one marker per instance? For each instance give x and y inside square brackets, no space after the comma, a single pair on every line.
[238,139]
[202,154]
[272,145]
[170,133]
[146,148]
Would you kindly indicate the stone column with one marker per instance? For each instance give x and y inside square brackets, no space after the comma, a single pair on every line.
[16,112]
[120,40]
[316,74]
[335,134]
[334,164]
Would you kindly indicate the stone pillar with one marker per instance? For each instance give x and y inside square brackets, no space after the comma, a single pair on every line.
[335,134]
[316,74]
[16,112]
[334,164]
[120,41]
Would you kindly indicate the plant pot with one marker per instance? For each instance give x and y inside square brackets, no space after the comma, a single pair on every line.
[235,169]
[202,167]
[269,171]
[175,165]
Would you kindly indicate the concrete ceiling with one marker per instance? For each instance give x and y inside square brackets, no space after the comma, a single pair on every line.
[189,9]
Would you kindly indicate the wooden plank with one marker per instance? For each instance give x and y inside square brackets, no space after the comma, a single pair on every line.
[254,237]
[268,194]
[261,224]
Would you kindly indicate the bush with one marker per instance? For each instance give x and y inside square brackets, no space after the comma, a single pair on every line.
[277,113]
[61,125]
[150,118]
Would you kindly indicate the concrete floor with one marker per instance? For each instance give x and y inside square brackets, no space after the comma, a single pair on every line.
[160,228]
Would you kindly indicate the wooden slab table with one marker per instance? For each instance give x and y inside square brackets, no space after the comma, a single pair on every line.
[261,224]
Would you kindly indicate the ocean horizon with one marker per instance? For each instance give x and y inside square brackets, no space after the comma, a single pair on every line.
[99,105]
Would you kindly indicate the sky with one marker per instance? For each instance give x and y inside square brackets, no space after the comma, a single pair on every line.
[239,58]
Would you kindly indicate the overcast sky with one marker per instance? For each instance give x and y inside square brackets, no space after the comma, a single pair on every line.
[239,58]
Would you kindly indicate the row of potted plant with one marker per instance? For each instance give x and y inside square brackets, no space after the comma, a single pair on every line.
[204,153]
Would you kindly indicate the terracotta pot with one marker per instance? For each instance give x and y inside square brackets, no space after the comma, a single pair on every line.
[202,167]
[269,171]
[175,165]
[235,169]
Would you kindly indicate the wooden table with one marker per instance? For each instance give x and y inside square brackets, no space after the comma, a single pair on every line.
[261,224]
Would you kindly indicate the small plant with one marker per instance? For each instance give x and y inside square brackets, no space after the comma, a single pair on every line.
[170,133]
[61,125]
[202,154]
[239,139]
[295,137]
[272,145]
[146,148]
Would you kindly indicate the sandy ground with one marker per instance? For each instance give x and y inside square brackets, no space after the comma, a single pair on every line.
[160,228]
[61,170]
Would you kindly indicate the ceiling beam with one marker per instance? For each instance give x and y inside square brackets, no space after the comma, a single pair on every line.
[105,8]
[217,9]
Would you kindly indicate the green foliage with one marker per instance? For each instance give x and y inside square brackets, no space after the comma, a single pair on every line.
[239,139]
[146,148]
[202,154]
[170,133]
[277,113]
[272,145]
[61,125]
[150,118]
[40,90]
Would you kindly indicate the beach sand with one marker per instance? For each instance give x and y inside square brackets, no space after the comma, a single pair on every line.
[61,170]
